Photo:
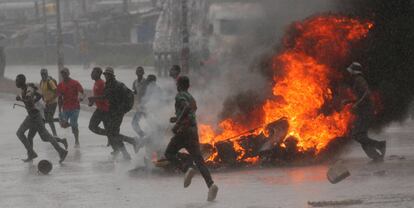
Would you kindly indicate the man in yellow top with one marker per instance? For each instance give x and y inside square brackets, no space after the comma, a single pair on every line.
[48,89]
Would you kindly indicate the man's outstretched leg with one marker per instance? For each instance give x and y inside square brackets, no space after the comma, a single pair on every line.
[114,127]
[31,135]
[49,113]
[75,131]
[193,147]
[46,136]
[171,153]
[31,154]
[96,119]
[73,118]
[135,124]
[137,144]
[374,149]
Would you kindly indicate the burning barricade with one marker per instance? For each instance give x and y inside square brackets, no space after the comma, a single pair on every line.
[303,117]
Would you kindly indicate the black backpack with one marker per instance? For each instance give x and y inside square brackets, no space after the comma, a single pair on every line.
[127,99]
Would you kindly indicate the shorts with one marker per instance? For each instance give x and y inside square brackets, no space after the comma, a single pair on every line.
[71,117]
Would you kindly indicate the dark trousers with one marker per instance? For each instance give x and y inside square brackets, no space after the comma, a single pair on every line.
[98,117]
[113,126]
[360,133]
[188,139]
[50,111]
[34,123]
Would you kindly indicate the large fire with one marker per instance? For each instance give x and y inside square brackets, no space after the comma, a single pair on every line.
[303,77]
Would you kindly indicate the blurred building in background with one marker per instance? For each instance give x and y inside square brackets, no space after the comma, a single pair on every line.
[122,31]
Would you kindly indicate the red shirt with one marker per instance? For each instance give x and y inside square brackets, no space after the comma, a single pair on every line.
[70,92]
[98,90]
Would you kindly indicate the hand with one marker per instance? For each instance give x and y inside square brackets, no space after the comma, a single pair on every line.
[173,119]
[18,98]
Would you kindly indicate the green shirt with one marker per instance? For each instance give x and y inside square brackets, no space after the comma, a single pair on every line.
[183,99]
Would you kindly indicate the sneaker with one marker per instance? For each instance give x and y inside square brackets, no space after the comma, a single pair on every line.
[63,155]
[212,193]
[188,177]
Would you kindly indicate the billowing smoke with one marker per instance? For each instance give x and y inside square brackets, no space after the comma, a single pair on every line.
[247,71]
[388,55]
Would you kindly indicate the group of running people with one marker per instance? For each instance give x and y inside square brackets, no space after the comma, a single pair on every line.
[113,99]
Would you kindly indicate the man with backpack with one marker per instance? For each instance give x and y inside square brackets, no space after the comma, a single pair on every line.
[48,87]
[121,101]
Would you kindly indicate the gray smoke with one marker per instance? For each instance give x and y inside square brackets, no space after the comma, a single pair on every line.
[243,79]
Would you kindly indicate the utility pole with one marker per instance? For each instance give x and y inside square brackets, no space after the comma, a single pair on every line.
[125,6]
[44,31]
[84,8]
[59,42]
[185,50]
[36,7]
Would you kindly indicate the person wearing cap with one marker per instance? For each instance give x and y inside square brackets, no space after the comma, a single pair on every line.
[48,87]
[364,110]
[113,92]
[70,93]
[138,87]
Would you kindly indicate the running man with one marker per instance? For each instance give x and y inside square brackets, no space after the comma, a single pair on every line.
[364,110]
[116,93]
[138,87]
[186,136]
[48,87]
[100,115]
[34,121]
[70,94]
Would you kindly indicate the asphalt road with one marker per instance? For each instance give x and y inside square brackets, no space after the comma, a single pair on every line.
[90,178]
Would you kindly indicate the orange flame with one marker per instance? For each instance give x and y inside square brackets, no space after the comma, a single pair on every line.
[302,85]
